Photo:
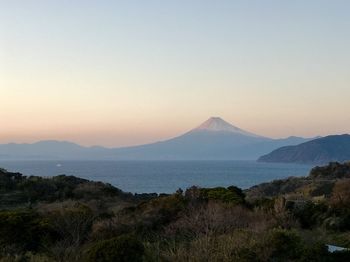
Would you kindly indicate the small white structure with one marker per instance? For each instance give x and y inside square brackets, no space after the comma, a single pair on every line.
[332,249]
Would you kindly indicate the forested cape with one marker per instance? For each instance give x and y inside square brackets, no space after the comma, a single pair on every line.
[65,218]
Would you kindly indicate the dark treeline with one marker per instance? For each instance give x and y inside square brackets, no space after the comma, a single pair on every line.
[66,218]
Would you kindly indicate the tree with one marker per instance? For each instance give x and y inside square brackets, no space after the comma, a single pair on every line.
[341,194]
[285,245]
[124,249]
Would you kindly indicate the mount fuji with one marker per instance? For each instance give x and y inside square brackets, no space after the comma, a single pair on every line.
[215,139]
[217,124]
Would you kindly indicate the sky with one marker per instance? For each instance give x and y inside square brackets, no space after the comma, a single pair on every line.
[118,73]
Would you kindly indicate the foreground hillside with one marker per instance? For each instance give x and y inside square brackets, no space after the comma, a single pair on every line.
[65,218]
[318,151]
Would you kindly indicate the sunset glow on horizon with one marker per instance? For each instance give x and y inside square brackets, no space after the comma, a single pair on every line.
[117,73]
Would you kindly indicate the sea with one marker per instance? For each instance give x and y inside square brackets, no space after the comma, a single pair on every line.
[163,176]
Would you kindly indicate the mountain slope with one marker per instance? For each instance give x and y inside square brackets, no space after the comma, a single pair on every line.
[49,149]
[215,139]
[218,124]
[318,151]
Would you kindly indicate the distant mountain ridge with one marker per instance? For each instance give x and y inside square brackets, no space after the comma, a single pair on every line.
[318,151]
[48,149]
[215,139]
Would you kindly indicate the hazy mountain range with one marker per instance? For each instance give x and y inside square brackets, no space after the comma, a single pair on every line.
[215,139]
[318,151]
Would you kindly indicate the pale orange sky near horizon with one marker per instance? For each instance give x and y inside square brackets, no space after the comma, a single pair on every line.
[114,73]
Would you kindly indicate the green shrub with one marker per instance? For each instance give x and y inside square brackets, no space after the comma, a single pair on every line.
[228,195]
[71,224]
[286,245]
[21,230]
[124,249]
[158,212]
[317,252]
[310,214]
[246,255]
[8,181]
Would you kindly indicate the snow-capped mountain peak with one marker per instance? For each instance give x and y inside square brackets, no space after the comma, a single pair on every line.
[217,124]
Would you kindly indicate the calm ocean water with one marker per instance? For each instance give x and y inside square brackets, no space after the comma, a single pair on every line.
[162,176]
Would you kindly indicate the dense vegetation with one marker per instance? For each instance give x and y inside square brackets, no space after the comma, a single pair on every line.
[65,218]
